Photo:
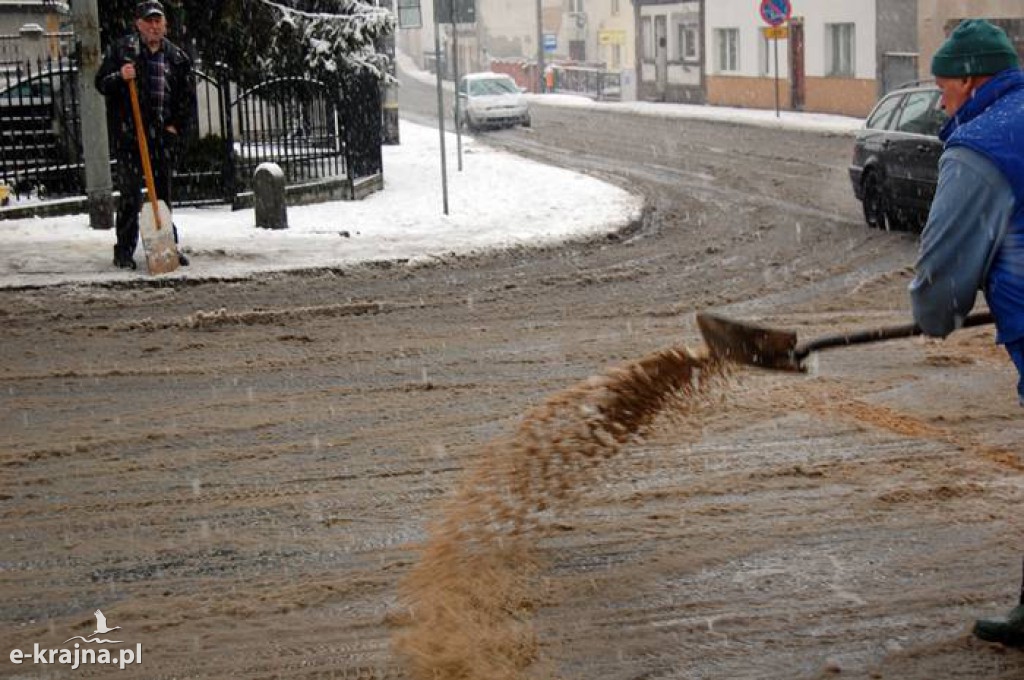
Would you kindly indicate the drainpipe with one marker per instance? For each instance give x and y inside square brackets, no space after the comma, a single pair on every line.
[540,46]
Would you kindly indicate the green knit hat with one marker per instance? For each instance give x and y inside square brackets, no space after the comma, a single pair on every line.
[975,48]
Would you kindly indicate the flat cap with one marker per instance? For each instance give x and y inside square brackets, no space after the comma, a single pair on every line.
[149,8]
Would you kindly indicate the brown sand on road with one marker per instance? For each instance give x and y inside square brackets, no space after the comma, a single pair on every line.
[470,596]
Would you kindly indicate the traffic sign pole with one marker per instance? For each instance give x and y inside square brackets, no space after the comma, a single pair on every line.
[776,41]
[775,13]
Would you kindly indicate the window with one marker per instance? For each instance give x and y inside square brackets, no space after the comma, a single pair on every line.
[765,59]
[686,42]
[409,15]
[727,42]
[771,52]
[615,8]
[839,42]
[576,7]
[921,114]
[647,38]
[879,119]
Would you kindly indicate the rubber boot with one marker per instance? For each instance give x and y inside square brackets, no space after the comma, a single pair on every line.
[182,258]
[1009,631]
[122,260]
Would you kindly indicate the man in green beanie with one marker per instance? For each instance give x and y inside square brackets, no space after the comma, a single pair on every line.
[974,237]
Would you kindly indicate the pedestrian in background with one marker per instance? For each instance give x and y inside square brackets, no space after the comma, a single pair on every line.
[166,90]
[974,237]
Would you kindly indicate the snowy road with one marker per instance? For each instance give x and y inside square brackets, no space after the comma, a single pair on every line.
[243,474]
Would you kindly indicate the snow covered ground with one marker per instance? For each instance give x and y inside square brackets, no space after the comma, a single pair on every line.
[498,200]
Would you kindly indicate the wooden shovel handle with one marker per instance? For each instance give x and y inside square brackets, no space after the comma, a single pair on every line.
[140,135]
[879,334]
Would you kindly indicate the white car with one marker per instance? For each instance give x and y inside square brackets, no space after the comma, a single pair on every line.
[491,99]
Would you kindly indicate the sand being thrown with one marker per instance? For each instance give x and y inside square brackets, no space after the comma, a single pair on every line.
[469,599]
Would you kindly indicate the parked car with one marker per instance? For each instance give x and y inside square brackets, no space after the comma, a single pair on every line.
[895,164]
[491,100]
[39,131]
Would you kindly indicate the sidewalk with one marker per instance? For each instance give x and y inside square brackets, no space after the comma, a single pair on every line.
[500,200]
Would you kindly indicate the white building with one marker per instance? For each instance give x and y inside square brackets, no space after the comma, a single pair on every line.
[670,49]
[834,57]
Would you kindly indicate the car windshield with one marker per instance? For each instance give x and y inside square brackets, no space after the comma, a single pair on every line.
[27,90]
[492,86]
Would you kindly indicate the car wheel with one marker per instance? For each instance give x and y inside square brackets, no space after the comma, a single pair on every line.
[526,121]
[873,202]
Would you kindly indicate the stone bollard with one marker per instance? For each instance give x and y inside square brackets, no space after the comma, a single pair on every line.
[268,197]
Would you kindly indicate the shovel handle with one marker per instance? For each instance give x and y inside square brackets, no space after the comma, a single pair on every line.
[140,135]
[879,334]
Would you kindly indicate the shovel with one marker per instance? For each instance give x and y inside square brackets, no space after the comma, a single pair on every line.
[752,345]
[155,224]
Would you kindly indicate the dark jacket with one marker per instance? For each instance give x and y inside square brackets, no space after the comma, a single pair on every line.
[180,89]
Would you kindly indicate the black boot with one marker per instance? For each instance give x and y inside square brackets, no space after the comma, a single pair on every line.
[123,260]
[1009,631]
[182,258]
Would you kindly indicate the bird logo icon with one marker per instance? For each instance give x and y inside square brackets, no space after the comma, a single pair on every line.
[101,629]
[101,624]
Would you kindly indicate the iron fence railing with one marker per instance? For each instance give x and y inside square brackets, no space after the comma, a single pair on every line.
[40,131]
[293,122]
[312,131]
[588,80]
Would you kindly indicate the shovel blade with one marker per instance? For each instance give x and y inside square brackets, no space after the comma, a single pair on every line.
[157,233]
[745,343]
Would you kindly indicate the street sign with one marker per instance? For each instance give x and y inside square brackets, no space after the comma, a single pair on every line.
[776,32]
[611,37]
[776,12]
[550,42]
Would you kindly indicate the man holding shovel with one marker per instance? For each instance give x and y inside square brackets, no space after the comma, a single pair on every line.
[974,237]
[166,96]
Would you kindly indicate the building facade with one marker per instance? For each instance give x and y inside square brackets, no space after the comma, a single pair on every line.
[33,29]
[670,50]
[938,17]
[830,57]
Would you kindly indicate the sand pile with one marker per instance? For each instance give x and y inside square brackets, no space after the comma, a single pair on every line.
[470,597]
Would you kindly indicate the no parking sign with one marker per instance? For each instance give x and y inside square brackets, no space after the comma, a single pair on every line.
[776,12]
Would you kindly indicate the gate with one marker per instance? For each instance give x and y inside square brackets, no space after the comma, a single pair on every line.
[40,130]
[312,131]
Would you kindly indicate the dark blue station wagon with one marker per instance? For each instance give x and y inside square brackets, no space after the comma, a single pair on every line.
[896,158]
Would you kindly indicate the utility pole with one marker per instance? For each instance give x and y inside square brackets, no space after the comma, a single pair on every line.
[390,91]
[440,105]
[95,145]
[540,46]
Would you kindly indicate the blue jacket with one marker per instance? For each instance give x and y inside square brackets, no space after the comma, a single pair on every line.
[974,237]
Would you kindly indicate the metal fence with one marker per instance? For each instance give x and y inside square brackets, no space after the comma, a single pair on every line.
[587,80]
[310,130]
[40,134]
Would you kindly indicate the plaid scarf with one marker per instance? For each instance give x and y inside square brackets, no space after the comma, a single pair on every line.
[157,66]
